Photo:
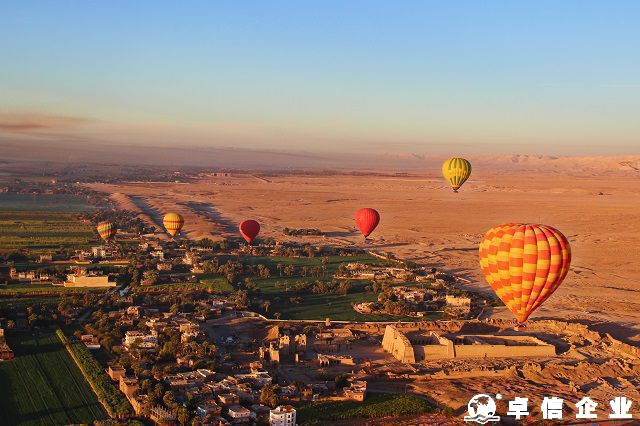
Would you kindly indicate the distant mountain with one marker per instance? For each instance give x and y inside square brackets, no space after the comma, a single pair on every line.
[261,159]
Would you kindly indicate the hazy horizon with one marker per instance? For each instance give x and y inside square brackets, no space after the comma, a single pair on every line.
[239,158]
[463,77]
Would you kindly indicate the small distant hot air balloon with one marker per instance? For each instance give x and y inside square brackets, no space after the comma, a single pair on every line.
[173,223]
[524,264]
[456,171]
[107,230]
[367,219]
[249,229]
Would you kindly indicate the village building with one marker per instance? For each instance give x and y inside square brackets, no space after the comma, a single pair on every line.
[208,407]
[164,266]
[116,372]
[190,258]
[100,252]
[158,254]
[413,295]
[133,311]
[5,351]
[189,336]
[197,269]
[240,414]
[260,378]
[457,303]
[356,391]
[262,412]
[75,280]
[32,276]
[90,341]
[283,415]
[128,385]
[138,403]
[329,360]
[189,379]
[228,398]
[143,341]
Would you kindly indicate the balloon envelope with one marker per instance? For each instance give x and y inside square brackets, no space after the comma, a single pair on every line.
[367,219]
[173,223]
[249,229]
[524,264]
[107,230]
[456,171]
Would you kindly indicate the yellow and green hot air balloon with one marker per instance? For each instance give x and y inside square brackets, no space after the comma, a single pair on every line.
[173,223]
[456,171]
[107,230]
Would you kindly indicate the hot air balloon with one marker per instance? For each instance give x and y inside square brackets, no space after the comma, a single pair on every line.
[106,230]
[249,229]
[456,171]
[367,219]
[173,223]
[524,264]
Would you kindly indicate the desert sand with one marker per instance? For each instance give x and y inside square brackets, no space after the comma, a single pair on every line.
[423,220]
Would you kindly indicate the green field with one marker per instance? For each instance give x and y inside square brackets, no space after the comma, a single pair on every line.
[37,289]
[43,232]
[43,386]
[332,264]
[208,282]
[318,306]
[43,202]
[17,304]
[215,284]
[375,406]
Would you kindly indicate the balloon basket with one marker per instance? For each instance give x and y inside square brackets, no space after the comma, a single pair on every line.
[520,326]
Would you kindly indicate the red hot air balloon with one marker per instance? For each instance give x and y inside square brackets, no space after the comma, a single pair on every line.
[249,229]
[367,220]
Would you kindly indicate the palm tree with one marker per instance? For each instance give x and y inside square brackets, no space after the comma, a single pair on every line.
[182,416]
[270,395]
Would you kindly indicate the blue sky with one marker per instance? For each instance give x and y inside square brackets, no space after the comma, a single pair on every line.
[407,76]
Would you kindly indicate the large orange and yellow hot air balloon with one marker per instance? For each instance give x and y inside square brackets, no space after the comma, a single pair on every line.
[524,264]
[107,230]
[173,223]
[456,171]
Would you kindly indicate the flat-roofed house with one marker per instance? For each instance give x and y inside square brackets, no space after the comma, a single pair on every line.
[283,415]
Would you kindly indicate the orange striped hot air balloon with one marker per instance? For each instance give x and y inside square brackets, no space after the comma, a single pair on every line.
[524,264]
[173,223]
[107,230]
